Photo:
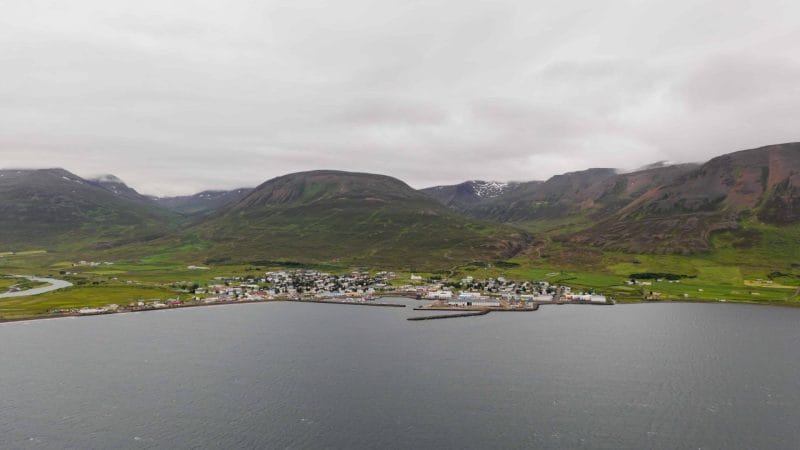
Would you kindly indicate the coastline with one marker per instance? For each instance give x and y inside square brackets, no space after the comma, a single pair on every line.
[702,300]
[463,310]
[194,305]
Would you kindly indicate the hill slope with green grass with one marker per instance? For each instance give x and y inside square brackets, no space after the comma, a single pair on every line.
[53,208]
[329,216]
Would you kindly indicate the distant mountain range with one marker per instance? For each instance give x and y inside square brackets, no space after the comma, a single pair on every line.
[374,219]
[203,203]
[53,207]
[661,208]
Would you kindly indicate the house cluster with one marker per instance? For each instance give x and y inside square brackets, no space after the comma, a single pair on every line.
[584,298]
[499,292]
[85,264]
[472,299]
[246,290]
[635,282]
[139,305]
[310,283]
[92,263]
[297,284]
[358,285]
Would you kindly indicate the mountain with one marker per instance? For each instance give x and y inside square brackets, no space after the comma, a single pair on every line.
[680,216]
[462,196]
[202,203]
[356,217]
[118,187]
[659,208]
[53,207]
[584,193]
[359,218]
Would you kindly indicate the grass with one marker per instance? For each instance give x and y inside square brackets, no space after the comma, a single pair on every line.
[756,264]
[6,283]
[709,278]
[20,283]
[77,297]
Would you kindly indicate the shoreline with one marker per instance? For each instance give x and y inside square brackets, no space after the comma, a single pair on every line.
[195,305]
[198,305]
[701,300]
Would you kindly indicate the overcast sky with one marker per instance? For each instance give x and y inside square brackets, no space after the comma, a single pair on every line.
[179,96]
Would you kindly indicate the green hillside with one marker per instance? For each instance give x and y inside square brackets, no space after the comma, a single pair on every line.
[351,217]
[56,209]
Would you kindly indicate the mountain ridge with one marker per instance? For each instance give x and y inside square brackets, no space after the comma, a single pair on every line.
[55,207]
[330,215]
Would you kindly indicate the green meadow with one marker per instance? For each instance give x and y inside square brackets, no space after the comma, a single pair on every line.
[757,264]
[78,297]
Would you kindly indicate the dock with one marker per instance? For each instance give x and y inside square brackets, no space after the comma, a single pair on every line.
[453,316]
[534,307]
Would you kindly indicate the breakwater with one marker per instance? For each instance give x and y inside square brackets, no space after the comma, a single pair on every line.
[534,307]
[452,316]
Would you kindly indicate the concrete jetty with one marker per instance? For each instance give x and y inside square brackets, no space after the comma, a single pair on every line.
[452,316]
[534,307]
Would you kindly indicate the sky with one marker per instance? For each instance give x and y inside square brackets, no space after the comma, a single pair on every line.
[175,97]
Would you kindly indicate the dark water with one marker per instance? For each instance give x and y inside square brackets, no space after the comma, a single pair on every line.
[321,376]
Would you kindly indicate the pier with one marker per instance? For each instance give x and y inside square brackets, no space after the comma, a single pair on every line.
[453,316]
[534,307]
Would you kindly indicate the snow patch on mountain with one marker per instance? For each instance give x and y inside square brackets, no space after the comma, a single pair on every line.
[108,178]
[72,179]
[488,189]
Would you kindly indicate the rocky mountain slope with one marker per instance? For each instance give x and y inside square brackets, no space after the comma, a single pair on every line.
[661,208]
[679,216]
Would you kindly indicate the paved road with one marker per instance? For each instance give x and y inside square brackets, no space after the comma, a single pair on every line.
[54,286]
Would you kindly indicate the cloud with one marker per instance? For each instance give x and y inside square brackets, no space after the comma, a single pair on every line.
[176,97]
[732,80]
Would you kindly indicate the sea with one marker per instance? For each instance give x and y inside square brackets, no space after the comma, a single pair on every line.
[314,376]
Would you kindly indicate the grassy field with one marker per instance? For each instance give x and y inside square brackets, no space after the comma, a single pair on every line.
[6,283]
[756,266]
[77,297]
[20,283]
[753,277]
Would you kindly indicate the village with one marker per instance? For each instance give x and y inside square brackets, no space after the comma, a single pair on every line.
[362,287]
[501,294]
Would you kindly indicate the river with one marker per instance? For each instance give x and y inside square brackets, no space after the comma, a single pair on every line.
[54,285]
[292,375]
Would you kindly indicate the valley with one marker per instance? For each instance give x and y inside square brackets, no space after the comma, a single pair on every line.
[726,230]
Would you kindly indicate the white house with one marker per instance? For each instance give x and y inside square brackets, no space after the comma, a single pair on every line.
[439,295]
[469,296]
[486,302]
[599,299]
